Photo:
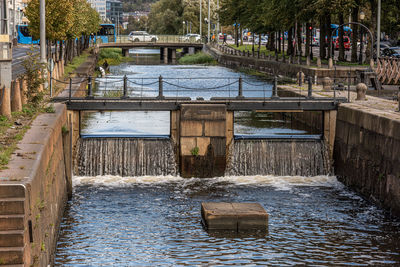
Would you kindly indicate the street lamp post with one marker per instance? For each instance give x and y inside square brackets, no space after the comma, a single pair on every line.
[362,17]
[209,20]
[378,40]
[201,20]
[43,31]
[183,27]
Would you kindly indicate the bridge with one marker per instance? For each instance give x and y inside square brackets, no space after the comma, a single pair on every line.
[169,94]
[168,44]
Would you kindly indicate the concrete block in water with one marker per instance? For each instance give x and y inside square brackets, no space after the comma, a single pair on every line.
[234,216]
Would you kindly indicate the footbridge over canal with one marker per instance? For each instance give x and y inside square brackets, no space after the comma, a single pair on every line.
[167,46]
[204,124]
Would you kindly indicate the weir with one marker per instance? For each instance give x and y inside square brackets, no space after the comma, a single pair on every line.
[202,144]
[292,157]
[125,157]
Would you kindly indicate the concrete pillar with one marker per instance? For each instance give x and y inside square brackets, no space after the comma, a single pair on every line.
[361,89]
[23,88]
[16,104]
[319,63]
[125,52]
[327,84]
[173,56]
[203,140]
[330,130]
[192,50]
[165,55]
[330,63]
[5,86]
[161,53]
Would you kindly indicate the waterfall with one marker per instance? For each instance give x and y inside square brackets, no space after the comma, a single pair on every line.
[125,157]
[278,157]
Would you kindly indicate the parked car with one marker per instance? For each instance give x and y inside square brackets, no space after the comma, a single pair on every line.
[393,52]
[142,36]
[346,41]
[192,37]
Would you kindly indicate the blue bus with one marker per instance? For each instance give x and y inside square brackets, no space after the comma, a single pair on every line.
[107,33]
[23,35]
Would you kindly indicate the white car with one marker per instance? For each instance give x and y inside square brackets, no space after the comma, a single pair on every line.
[142,36]
[192,37]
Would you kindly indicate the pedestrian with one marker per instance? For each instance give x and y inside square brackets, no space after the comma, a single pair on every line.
[224,42]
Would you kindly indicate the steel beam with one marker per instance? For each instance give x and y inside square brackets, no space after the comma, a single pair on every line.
[288,105]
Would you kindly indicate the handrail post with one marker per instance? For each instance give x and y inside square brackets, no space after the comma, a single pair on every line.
[89,94]
[348,87]
[125,87]
[160,88]
[309,87]
[240,95]
[70,89]
[275,88]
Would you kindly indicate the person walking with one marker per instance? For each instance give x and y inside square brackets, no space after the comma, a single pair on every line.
[224,42]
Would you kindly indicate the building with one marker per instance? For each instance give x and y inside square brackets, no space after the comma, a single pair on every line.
[100,7]
[114,12]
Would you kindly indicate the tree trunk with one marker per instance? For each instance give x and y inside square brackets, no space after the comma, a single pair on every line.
[290,42]
[259,44]
[308,39]
[271,41]
[354,15]
[329,35]
[279,41]
[299,40]
[341,39]
[322,51]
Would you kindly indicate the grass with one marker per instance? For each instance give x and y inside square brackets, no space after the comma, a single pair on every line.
[76,62]
[198,58]
[112,55]
[10,143]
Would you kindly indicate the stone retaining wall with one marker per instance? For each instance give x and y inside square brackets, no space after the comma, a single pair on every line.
[274,67]
[367,155]
[35,187]
[366,151]
[34,191]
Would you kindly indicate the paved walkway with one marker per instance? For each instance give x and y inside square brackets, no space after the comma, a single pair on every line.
[376,105]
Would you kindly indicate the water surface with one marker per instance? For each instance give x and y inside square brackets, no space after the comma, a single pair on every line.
[152,221]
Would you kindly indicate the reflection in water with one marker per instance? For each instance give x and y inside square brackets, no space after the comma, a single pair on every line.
[150,221]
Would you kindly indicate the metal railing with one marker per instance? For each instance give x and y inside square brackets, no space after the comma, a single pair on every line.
[159,88]
[123,39]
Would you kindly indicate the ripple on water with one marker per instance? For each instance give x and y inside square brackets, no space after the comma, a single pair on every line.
[147,221]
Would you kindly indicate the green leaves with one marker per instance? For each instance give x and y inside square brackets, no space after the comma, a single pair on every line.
[65,19]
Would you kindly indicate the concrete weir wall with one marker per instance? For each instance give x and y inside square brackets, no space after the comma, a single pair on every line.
[202,135]
[33,192]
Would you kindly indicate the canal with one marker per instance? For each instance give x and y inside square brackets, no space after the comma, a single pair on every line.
[155,220]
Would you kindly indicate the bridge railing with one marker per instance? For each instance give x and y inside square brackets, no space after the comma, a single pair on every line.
[160,39]
[153,88]
[388,70]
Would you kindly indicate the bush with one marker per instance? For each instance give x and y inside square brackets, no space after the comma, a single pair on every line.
[198,58]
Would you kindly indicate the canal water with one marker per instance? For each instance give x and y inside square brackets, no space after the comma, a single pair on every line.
[155,220]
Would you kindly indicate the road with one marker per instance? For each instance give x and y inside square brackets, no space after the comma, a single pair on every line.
[19,54]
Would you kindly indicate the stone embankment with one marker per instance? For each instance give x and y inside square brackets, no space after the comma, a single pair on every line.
[274,66]
[35,187]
